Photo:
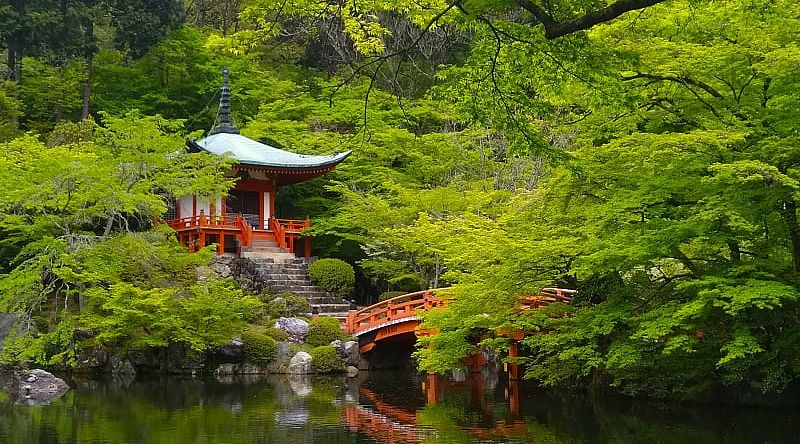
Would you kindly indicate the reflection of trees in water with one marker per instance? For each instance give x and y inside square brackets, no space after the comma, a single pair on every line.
[336,409]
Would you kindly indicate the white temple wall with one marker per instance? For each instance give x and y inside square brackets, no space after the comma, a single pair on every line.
[266,210]
[185,204]
[202,205]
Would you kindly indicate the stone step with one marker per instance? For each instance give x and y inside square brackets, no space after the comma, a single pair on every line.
[266,255]
[271,263]
[288,276]
[340,315]
[277,269]
[296,285]
[340,307]
[326,300]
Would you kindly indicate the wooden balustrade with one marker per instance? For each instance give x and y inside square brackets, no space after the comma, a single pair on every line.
[394,309]
[246,230]
[293,225]
[285,230]
[405,307]
[546,296]
[280,233]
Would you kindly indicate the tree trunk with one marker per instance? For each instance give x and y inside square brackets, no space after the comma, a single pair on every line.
[735,251]
[87,88]
[789,214]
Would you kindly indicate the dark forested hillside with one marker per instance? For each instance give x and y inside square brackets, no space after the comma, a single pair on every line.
[643,152]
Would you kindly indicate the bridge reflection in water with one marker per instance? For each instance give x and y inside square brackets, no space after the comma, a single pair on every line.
[388,423]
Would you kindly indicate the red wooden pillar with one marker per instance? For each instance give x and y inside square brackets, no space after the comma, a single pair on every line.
[513,365]
[221,245]
[513,398]
[307,241]
[432,388]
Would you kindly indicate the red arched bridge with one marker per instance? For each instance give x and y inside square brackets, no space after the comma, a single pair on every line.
[399,316]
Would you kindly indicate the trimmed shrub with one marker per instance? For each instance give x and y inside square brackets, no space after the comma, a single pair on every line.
[258,348]
[390,294]
[334,275]
[276,334]
[322,331]
[326,359]
[287,305]
[407,283]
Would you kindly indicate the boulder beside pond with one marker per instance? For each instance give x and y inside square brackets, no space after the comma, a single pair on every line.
[300,364]
[38,387]
[296,328]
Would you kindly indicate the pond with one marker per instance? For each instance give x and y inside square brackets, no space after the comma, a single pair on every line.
[377,407]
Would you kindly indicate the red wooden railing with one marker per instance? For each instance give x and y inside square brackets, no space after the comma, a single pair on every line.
[546,296]
[201,220]
[404,307]
[391,310]
[280,233]
[294,225]
[246,230]
[283,228]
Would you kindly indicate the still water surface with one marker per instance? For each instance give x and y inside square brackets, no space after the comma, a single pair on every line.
[397,407]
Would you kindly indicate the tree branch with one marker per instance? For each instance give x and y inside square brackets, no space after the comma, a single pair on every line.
[554,29]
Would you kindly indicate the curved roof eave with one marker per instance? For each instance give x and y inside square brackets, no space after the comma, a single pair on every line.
[249,152]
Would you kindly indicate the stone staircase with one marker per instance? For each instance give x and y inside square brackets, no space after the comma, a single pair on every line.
[266,249]
[290,274]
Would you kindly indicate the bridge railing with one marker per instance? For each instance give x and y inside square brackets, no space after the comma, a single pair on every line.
[546,296]
[393,309]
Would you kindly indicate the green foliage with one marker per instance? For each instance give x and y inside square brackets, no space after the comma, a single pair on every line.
[390,294]
[258,348]
[276,334]
[322,331]
[287,305]
[333,275]
[325,359]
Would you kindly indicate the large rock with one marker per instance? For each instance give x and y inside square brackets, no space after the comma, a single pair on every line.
[339,346]
[39,387]
[283,358]
[296,328]
[351,353]
[92,360]
[225,354]
[300,364]
[120,367]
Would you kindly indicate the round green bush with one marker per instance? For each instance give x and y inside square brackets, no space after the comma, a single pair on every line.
[287,305]
[258,348]
[334,275]
[276,334]
[326,359]
[322,331]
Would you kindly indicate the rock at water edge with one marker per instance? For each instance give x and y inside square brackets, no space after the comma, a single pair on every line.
[39,387]
[351,353]
[300,364]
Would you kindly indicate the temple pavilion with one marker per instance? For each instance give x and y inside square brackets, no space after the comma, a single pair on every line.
[245,220]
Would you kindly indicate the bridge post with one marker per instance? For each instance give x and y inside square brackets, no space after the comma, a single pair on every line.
[512,364]
[513,398]
[350,323]
[432,388]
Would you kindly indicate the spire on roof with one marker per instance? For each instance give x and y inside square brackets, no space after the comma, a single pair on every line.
[224,123]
